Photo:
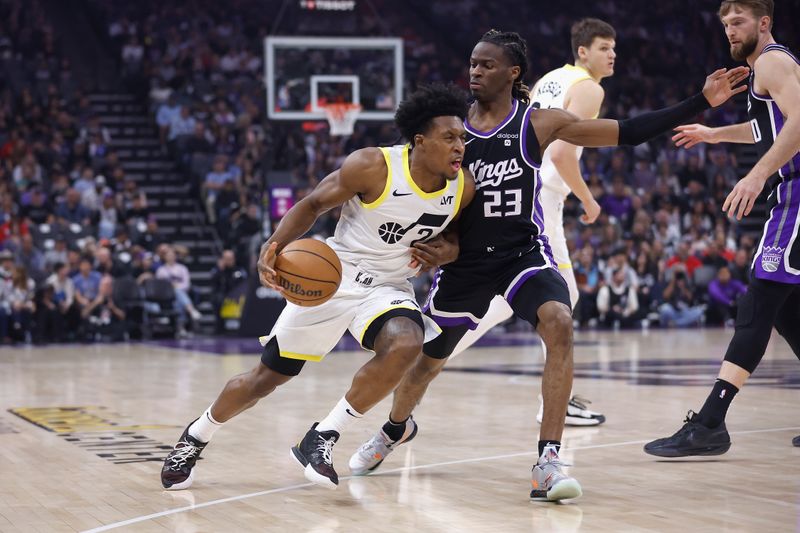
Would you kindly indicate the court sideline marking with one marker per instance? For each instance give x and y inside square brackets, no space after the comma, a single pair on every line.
[383,473]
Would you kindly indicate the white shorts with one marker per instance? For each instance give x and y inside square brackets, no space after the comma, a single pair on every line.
[553,210]
[310,333]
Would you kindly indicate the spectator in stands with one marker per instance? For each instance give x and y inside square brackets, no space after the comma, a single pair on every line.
[683,258]
[678,307]
[589,279]
[213,184]
[86,282]
[618,203]
[64,298]
[92,198]
[723,293]
[47,318]
[181,125]
[19,306]
[178,275]
[106,265]
[71,211]
[167,111]
[102,317]
[740,266]
[31,258]
[6,265]
[224,277]
[617,302]
[38,210]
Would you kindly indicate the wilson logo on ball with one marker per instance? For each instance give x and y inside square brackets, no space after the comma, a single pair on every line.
[296,288]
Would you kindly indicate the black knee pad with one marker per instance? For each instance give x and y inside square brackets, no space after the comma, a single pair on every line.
[271,358]
[756,314]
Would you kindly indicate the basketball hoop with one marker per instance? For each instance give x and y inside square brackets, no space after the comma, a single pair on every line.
[341,117]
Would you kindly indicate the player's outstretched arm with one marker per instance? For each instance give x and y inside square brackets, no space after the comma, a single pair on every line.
[552,124]
[777,74]
[691,134]
[362,173]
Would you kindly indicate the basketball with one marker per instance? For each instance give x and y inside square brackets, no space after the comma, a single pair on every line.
[309,271]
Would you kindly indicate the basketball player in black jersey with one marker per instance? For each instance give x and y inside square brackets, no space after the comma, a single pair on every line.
[502,248]
[773,297]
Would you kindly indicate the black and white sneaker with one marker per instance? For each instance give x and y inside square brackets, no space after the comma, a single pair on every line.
[692,439]
[315,455]
[178,470]
[578,413]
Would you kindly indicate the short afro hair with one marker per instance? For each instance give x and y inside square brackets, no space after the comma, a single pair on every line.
[426,103]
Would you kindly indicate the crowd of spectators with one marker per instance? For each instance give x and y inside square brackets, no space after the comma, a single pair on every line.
[661,252]
[71,221]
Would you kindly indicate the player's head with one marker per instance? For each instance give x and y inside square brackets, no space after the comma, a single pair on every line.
[593,43]
[432,120]
[498,64]
[746,22]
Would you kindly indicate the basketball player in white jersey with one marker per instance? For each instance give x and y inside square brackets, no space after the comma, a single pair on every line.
[392,198]
[575,88]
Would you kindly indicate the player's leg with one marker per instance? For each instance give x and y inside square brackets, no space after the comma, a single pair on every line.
[704,433]
[299,334]
[540,296]
[499,311]
[455,304]
[401,427]
[786,324]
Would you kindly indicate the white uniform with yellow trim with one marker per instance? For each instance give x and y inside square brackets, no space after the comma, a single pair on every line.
[550,92]
[372,241]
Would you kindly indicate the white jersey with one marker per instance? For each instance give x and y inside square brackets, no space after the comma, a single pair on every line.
[375,238]
[550,92]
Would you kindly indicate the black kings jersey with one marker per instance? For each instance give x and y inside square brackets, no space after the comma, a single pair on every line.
[766,121]
[504,218]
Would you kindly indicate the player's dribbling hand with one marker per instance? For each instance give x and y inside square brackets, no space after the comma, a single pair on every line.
[436,252]
[266,266]
[592,211]
[691,134]
[743,196]
[722,84]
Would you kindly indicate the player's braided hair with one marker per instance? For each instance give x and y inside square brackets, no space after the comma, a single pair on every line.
[416,112]
[516,49]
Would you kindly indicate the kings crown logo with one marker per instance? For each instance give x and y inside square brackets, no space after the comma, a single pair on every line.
[771,258]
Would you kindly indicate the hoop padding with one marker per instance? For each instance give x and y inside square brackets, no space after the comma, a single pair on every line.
[341,118]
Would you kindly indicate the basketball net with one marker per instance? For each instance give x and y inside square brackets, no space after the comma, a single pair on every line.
[341,117]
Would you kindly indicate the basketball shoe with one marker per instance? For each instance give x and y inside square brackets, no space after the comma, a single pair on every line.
[692,439]
[796,441]
[548,480]
[577,413]
[178,470]
[315,455]
[372,453]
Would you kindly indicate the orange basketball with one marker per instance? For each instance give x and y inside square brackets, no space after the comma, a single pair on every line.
[309,271]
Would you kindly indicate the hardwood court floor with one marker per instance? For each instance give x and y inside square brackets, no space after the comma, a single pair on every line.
[83,430]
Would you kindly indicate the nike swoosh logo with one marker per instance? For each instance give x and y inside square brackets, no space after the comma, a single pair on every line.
[395,193]
[349,412]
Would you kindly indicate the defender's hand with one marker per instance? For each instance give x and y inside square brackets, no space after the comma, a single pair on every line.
[436,252]
[691,134]
[722,84]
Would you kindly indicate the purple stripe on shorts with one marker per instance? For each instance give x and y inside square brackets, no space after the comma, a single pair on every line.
[525,277]
[770,262]
[452,321]
[792,167]
[434,284]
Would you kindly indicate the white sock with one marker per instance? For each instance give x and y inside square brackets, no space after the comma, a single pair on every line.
[204,427]
[341,417]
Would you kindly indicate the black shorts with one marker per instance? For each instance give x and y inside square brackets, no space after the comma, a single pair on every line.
[460,297]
